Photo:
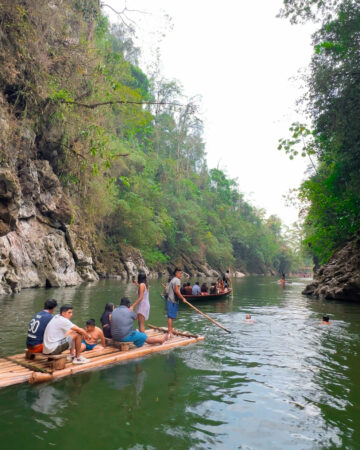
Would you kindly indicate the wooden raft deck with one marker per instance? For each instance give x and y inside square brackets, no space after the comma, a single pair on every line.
[12,373]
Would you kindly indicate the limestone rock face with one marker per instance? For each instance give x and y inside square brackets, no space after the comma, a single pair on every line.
[36,255]
[37,246]
[133,261]
[9,201]
[340,277]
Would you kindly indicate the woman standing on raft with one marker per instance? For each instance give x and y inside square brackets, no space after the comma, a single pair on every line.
[142,303]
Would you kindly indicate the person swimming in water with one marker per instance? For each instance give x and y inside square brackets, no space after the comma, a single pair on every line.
[325,320]
[248,319]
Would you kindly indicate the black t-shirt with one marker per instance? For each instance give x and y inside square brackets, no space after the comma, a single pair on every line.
[37,327]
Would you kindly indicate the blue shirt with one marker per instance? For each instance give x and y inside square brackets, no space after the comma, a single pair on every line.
[196,289]
[37,327]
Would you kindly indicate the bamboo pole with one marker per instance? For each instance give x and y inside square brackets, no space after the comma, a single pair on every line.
[178,333]
[205,315]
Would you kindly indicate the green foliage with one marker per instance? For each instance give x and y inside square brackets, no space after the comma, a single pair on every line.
[136,173]
[331,196]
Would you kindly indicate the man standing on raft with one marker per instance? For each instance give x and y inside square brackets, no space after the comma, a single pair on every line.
[172,302]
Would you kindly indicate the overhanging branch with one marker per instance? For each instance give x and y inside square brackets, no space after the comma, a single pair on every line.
[115,102]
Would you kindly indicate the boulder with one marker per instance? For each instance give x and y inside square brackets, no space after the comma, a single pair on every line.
[339,279]
[238,275]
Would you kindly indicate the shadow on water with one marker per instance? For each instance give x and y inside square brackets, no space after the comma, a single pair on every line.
[282,382]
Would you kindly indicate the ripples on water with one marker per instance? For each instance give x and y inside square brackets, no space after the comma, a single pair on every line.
[282,382]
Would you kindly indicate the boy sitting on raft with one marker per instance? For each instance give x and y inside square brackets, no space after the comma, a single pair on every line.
[94,334]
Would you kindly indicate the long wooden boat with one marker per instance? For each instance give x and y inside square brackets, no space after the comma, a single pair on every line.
[209,296]
[16,369]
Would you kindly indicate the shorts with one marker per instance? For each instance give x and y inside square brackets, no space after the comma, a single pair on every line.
[88,346]
[35,348]
[63,345]
[136,337]
[172,309]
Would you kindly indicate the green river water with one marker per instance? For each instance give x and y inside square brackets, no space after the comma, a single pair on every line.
[284,382]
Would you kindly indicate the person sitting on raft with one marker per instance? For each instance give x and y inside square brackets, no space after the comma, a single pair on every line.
[213,288]
[91,343]
[37,326]
[122,320]
[196,289]
[61,334]
[105,319]
[188,289]
[204,289]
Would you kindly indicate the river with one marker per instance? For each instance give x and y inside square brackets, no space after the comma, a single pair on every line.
[283,382]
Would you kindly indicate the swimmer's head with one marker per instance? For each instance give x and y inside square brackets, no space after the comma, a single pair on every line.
[325,318]
[248,316]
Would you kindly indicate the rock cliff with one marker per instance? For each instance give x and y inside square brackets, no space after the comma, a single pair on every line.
[340,277]
[37,245]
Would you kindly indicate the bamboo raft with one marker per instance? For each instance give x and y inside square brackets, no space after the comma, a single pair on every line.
[17,369]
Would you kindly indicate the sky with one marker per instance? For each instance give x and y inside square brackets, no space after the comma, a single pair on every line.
[245,64]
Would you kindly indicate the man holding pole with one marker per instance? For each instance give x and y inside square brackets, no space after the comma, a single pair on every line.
[172,302]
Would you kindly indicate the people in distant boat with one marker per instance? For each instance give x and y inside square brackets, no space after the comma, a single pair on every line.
[188,289]
[220,286]
[248,319]
[37,326]
[227,280]
[105,319]
[182,289]
[325,320]
[196,289]
[142,303]
[172,303]
[204,289]
[95,334]
[122,320]
[61,334]
[282,279]
[213,288]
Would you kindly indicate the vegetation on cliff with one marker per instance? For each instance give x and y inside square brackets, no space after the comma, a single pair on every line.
[331,194]
[126,146]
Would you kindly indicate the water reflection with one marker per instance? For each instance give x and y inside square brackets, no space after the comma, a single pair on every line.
[283,382]
[51,399]
[126,376]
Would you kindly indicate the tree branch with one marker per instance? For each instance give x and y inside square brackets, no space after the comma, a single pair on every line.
[115,102]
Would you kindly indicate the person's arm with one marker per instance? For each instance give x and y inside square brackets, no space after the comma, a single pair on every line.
[178,293]
[80,331]
[140,297]
[101,335]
